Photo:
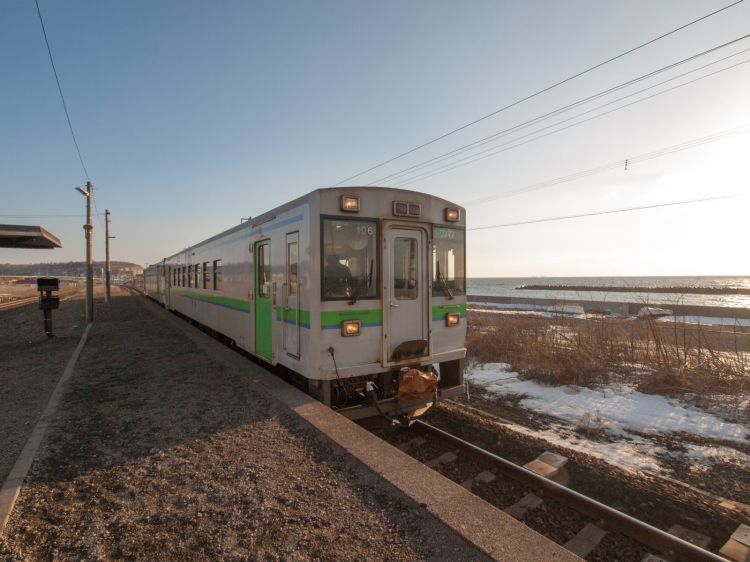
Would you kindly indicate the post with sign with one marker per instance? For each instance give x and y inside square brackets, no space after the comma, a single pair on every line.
[47,301]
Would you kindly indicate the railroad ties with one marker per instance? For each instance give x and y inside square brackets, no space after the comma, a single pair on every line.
[737,548]
[553,467]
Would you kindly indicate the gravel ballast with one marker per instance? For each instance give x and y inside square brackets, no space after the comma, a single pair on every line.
[160,451]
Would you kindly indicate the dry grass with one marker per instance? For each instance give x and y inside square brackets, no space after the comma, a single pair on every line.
[668,358]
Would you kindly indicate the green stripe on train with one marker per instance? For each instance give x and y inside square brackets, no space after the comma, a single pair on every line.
[235,304]
[333,318]
[439,311]
[289,314]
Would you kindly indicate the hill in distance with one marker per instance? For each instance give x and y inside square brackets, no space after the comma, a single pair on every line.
[71,268]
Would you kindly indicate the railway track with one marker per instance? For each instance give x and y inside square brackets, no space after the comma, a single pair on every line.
[590,528]
[18,303]
[27,301]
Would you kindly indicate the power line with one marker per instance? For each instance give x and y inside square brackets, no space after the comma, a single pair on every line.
[548,88]
[42,216]
[505,132]
[664,151]
[59,89]
[471,159]
[98,214]
[606,212]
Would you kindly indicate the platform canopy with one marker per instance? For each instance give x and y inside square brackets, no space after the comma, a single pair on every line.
[29,237]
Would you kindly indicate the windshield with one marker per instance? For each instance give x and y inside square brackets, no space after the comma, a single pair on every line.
[448,262]
[349,254]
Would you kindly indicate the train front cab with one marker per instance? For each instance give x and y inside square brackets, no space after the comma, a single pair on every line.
[410,268]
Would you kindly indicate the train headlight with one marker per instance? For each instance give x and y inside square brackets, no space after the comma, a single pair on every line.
[350,203]
[350,328]
[452,319]
[452,215]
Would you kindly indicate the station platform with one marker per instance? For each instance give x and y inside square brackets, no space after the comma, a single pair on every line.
[166,443]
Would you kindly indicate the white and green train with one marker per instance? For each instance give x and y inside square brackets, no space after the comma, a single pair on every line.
[347,290]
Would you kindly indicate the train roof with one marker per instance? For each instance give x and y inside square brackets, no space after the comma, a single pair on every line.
[263,218]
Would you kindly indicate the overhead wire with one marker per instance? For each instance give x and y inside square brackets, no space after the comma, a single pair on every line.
[619,164]
[59,89]
[604,212]
[98,214]
[493,151]
[510,130]
[42,216]
[537,93]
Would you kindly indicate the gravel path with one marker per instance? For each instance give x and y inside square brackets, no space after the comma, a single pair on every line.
[30,366]
[158,451]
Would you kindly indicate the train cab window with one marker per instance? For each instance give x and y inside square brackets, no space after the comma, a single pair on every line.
[206,276]
[350,259]
[405,268]
[217,275]
[448,262]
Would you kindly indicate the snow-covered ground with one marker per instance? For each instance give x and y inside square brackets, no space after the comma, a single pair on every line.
[628,418]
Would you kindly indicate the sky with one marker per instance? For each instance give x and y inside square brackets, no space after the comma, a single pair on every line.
[190,115]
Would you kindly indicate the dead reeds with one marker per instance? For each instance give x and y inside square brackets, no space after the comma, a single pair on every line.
[658,357]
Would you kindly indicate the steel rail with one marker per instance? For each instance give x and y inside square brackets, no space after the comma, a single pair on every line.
[18,303]
[642,532]
[26,301]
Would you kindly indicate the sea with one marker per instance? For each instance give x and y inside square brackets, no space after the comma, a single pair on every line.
[509,287]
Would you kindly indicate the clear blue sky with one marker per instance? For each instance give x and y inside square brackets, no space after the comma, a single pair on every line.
[193,114]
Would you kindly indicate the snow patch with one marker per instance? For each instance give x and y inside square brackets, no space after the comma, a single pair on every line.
[622,408]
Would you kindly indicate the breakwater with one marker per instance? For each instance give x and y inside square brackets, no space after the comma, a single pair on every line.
[622,289]
[613,307]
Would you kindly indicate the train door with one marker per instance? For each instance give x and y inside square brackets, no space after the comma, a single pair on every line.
[290,310]
[168,284]
[160,281]
[263,302]
[406,284]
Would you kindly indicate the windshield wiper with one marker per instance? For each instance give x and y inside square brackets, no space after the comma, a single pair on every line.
[442,281]
[356,293]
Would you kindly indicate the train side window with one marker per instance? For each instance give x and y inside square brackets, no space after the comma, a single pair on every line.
[292,259]
[184,276]
[206,276]
[190,276]
[264,271]
[197,271]
[217,275]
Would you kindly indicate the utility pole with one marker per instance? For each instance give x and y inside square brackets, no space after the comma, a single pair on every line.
[88,228]
[107,292]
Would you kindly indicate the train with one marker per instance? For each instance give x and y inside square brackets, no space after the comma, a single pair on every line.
[356,294]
